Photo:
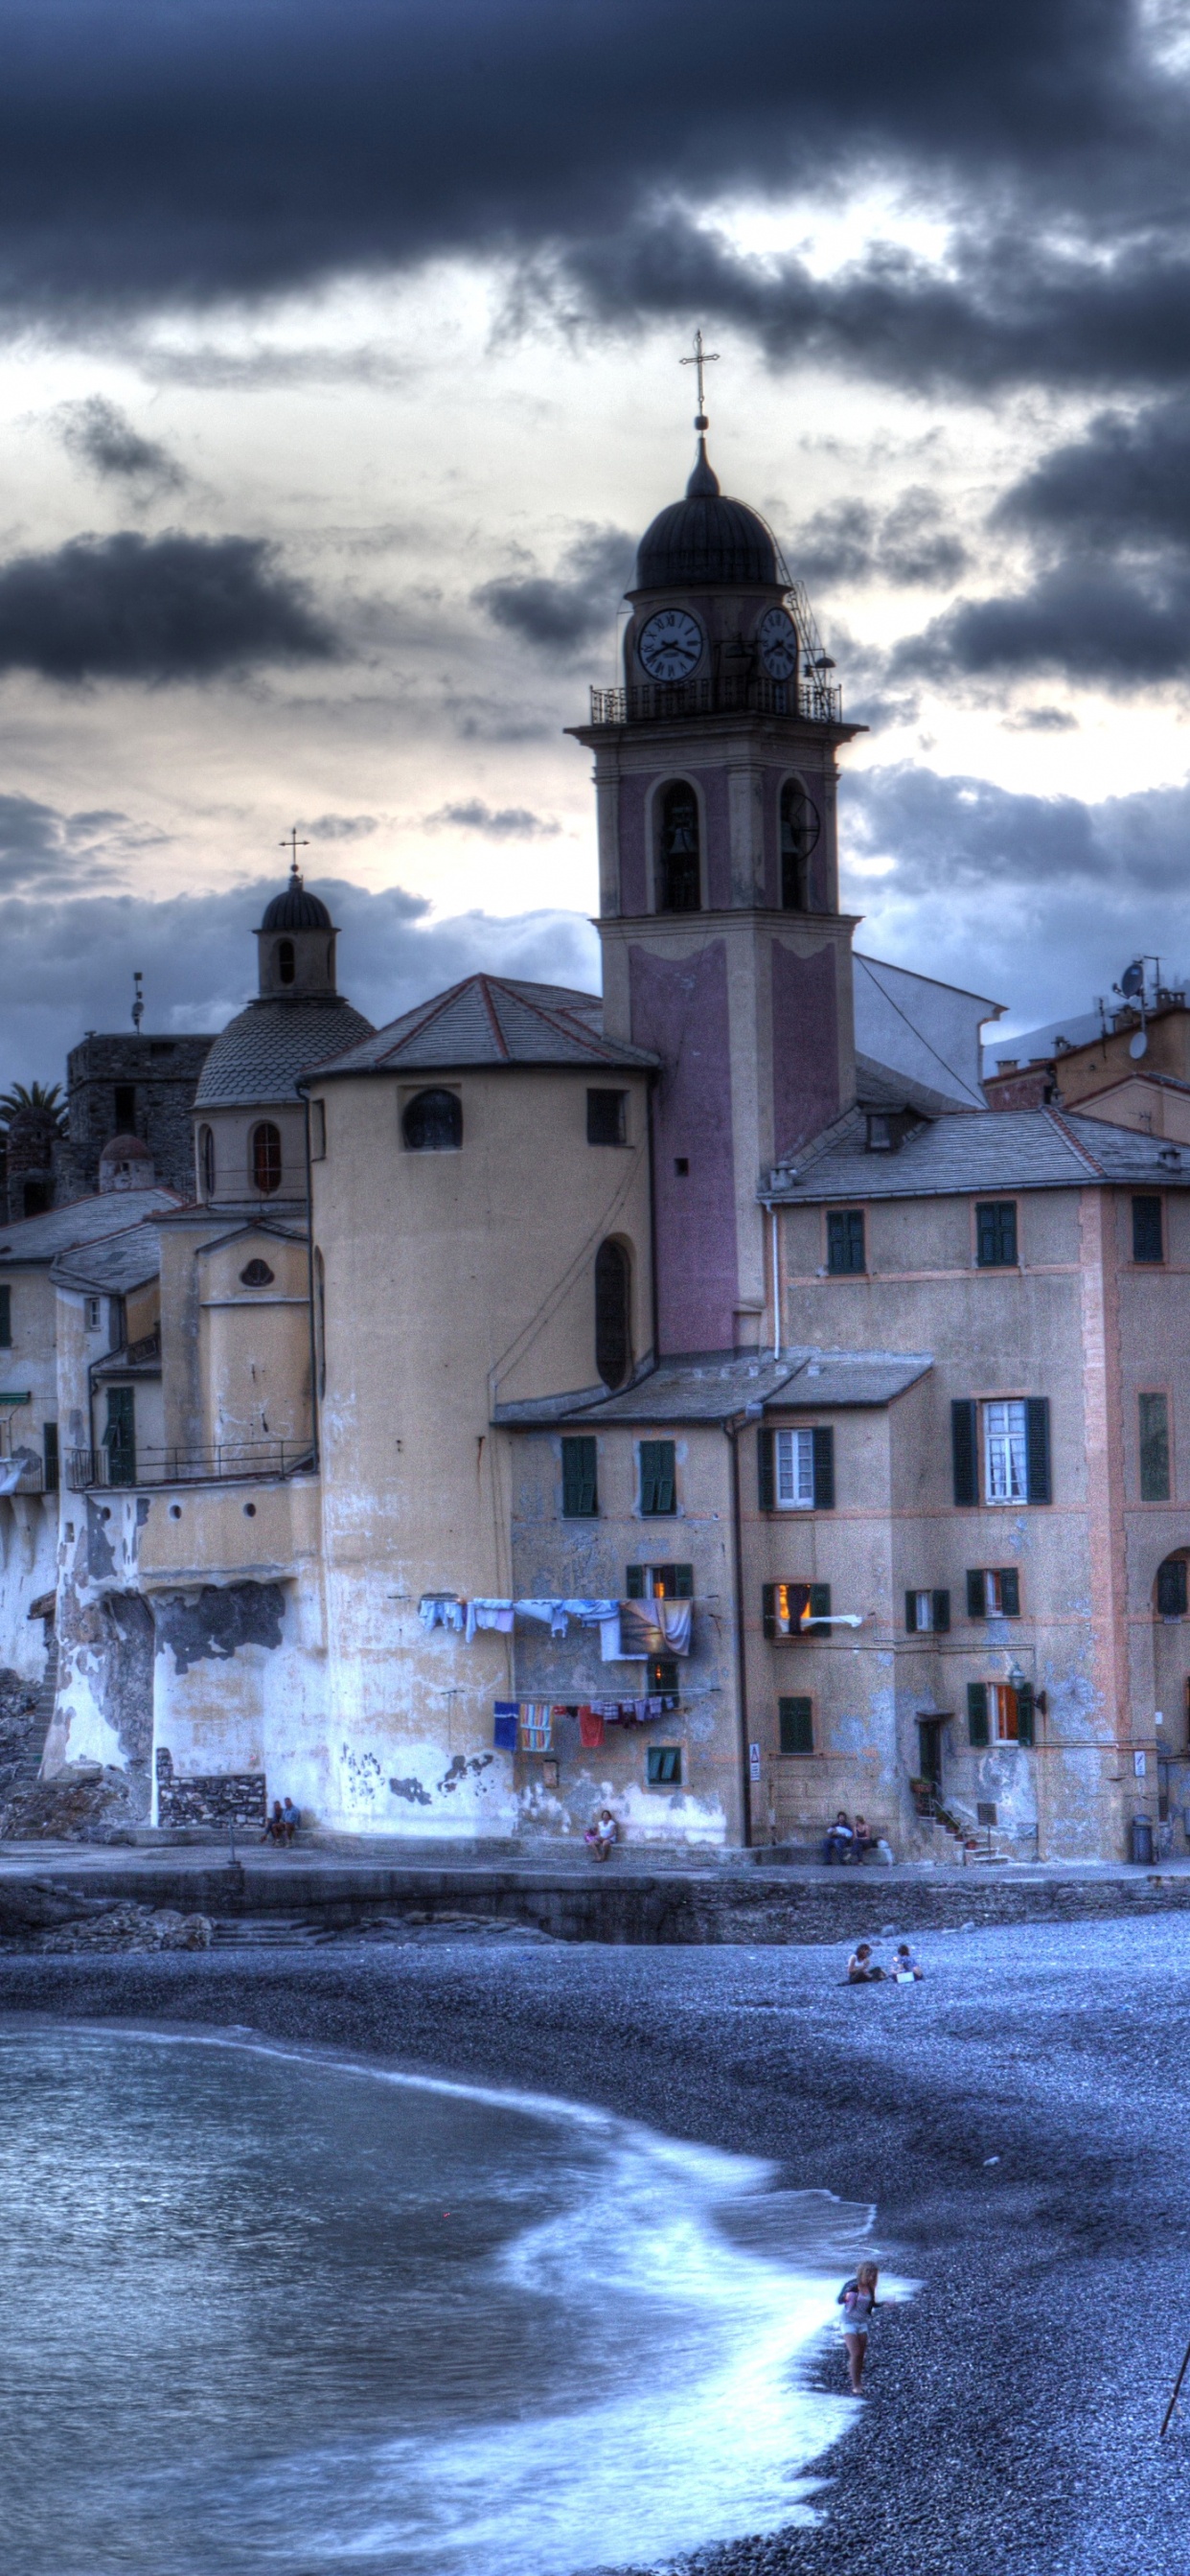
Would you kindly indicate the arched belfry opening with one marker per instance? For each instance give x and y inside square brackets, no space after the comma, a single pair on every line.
[613,1314]
[800,827]
[679,855]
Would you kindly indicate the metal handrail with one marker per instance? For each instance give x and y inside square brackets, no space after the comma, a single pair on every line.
[232,1461]
[815,701]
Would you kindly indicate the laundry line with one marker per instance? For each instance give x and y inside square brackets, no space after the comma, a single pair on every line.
[629,1631]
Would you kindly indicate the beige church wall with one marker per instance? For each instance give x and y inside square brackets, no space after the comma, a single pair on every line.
[232,1131]
[255,1364]
[556,1558]
[260,1531]
[263,1706]
[449,1278]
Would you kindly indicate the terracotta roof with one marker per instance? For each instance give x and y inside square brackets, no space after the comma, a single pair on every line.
[490,1020]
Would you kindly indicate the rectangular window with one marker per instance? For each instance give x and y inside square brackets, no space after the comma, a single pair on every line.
[659,1583]
[661,1675]
[797,1470]
[795,1718]
[793,1609]
[607,1117]
[1154,1447]
[1147,1240]
[1005,1459]
[125,1109]
[119,1437]
[658,1479]
[92,1315]
[994,1592]
[998,1713]
[663,1766]
[5,1319]
[995,1234]
[927,1612]
[318,1131]
[1171,1588]
[580,1500]
[49,1455]
[844,1241]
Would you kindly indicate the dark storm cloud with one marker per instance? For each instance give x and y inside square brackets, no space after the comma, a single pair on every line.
[66,966]
[1093,622]
[908,543]
[42,849]
[504,823]
[151,155]
[166,608]
[560,614]
[1125,484]
[97,434]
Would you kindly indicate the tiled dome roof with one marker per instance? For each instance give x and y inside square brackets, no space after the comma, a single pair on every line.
[296,910]
[261,1053]
[705,539]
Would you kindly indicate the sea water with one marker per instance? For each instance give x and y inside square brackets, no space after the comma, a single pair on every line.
[267,2308]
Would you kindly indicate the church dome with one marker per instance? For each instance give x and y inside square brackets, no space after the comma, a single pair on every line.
[706,539]
[296,910]
[262,1051]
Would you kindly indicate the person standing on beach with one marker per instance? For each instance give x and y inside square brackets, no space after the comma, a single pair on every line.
[857,2300]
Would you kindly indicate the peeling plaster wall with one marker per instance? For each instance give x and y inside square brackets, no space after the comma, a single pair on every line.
[28,1571]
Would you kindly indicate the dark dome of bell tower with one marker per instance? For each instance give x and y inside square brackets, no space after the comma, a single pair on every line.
[706,540]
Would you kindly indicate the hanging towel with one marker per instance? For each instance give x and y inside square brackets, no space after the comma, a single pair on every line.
[609,1639]
[590,1729]
[551,1613]
[591,1613]
[640,1632]
[536,1728]
[504,1732]
[489,1614]
[440,1610]
[674,1621]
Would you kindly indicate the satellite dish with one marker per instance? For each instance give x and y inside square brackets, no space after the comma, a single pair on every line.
[1139,1045]
[1132,981]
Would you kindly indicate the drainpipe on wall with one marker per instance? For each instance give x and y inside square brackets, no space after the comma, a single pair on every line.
[314,1421]
[731,1429]
[653,1213]
[773,1233]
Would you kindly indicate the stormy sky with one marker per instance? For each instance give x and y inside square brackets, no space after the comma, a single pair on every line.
[339,373]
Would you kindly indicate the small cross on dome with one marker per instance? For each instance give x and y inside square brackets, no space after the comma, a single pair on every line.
[293,845]
[703,357]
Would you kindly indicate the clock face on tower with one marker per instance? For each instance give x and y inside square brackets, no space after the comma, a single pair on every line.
[778,644]
[670,645]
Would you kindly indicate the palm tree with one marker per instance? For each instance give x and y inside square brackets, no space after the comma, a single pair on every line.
[36,1097]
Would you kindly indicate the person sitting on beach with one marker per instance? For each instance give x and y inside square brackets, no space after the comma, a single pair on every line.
[274,1826]
[857,2299]
[602,1834]
[862,1968]
[291,1819]
[905,1967]
[839,1838]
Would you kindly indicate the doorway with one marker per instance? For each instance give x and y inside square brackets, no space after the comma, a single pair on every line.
[929,1750]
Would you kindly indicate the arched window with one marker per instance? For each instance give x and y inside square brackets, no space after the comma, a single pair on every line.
[1171,1588]
[613,1314]
[679,887]
[266,1158]
[800,827]
[206,1162]
[286,965]
[256,1274]
[433,1123]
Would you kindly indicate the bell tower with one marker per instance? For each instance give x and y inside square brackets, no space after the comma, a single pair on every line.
[724,950]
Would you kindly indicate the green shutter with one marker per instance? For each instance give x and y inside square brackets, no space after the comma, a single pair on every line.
[911,1614]
[658,1479]
[820,1601]
[824,1469]
[1037,1448]
[795,1718]
[683,1583]
[119,1438]
[766,1477]
[995,1233]
[964,1450]
[5,1319]
[977,1712]
[941,1612]
[579,1499]
[634,1583]
[1024,1713]
[768,1608]
[49,1452]
[976,1595]
[1010,1592]
[1154,1448]
[663,1766]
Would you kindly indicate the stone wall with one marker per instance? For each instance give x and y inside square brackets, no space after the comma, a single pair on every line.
[163,1074]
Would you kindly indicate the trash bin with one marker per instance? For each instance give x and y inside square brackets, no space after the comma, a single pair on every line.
[1142,1840]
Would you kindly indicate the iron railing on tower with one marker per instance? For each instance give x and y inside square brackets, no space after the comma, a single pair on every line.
[815,701]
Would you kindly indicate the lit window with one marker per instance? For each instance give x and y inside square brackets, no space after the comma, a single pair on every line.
[793,1609]
[1005,1453]
[795,1470]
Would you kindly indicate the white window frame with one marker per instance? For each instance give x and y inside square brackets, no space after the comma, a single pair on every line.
[1005,1451]
[793,1471]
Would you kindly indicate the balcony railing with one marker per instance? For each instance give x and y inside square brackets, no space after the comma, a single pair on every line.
[815,701]
[232,1461]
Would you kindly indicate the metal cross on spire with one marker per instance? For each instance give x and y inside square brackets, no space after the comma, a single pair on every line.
[702,357]
[293,845]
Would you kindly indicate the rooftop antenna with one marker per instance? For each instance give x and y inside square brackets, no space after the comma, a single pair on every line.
[1131,988]
[138,998]
[703,357]
[293,845]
